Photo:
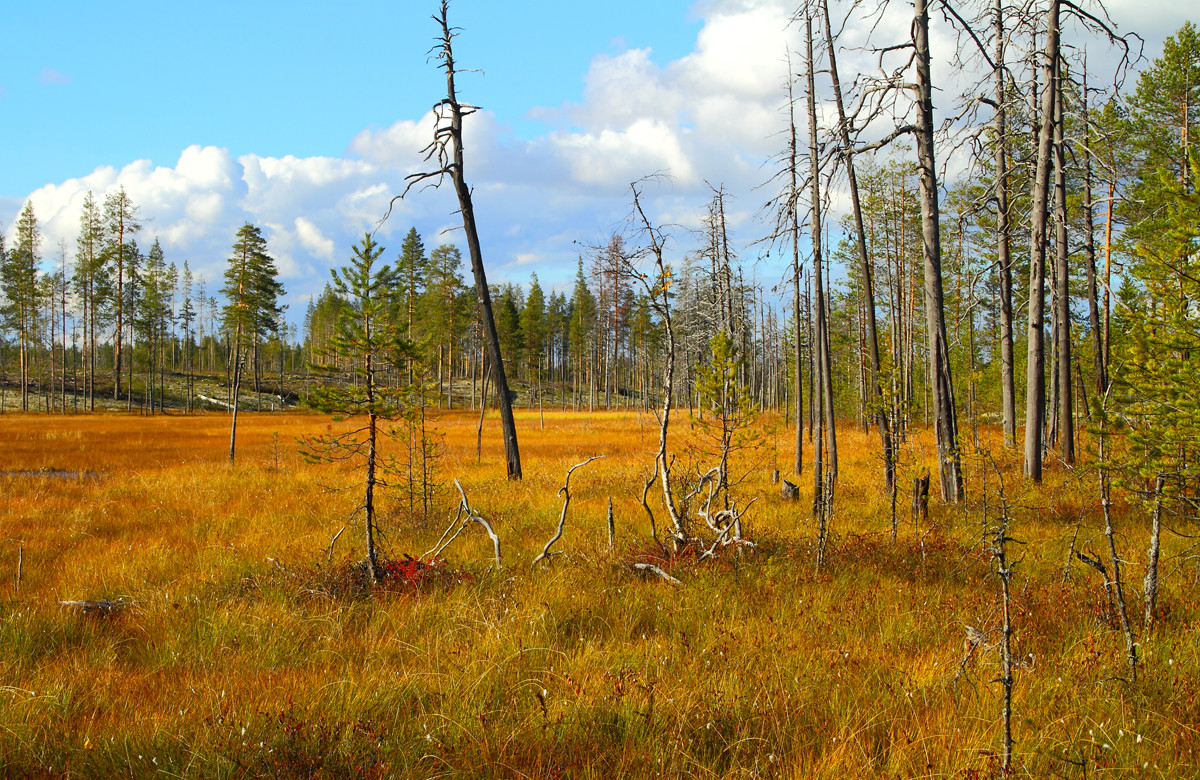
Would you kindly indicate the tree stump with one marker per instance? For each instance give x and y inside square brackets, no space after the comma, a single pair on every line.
[920,498]
[789,491]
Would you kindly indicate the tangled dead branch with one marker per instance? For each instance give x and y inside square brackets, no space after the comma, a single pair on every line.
[462,518]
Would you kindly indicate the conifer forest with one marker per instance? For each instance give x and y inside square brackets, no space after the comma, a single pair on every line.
[899,477]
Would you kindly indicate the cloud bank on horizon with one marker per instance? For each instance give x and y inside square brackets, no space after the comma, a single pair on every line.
[713,115]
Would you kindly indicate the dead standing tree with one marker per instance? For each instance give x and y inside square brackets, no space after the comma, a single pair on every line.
[878,401]
[446,149]
[657,285]
[825,460]
[726,523]
[784,209]
[950,475]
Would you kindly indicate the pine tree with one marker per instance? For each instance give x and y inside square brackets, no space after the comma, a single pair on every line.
[19,283]
[91,285]
[440,306]
[411,268]
[581,328]
[252,290]
[153,314]
[366,336]
[121,224]
[1166,106]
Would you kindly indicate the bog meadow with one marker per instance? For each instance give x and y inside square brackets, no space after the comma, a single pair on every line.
[912,494]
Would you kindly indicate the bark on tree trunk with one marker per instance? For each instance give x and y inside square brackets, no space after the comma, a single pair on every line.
[1035,388]
[511,452]
[941,384]
[1066,411]
[1003,241]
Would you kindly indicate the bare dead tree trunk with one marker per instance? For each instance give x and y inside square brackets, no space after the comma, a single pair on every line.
[1066,408]
[1089,248]
[657,290]
[1003,239]
[448,133]
[1035,388]
[1151,581]
[876,403]
[1115,560]
[942,386]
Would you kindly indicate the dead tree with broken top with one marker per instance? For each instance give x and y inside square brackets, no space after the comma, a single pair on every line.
[878,403]
[945,416]
[446,149]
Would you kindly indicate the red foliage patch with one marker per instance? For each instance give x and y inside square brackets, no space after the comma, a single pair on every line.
[403,576]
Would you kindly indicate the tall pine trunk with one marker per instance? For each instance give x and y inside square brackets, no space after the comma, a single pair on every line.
[1003,240]
[1035,388]
[940,381]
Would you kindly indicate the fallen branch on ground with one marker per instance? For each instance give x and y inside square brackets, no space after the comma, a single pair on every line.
[99,607]
[650,568]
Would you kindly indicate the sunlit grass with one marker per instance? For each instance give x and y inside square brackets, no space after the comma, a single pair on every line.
[235,659]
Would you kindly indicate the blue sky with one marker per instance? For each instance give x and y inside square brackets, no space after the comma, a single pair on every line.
[305,117]
[107,83]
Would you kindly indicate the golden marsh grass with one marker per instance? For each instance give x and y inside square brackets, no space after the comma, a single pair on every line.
[236,661]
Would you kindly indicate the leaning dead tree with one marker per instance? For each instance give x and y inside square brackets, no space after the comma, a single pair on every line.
[919,85]
[446,149]
[846,149]
[565,492]
[945,417]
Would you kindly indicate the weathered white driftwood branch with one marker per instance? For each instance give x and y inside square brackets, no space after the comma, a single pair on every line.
[565,492]
[650,568]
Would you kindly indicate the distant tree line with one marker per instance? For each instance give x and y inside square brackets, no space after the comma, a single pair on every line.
[1087,190]
[129,327]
